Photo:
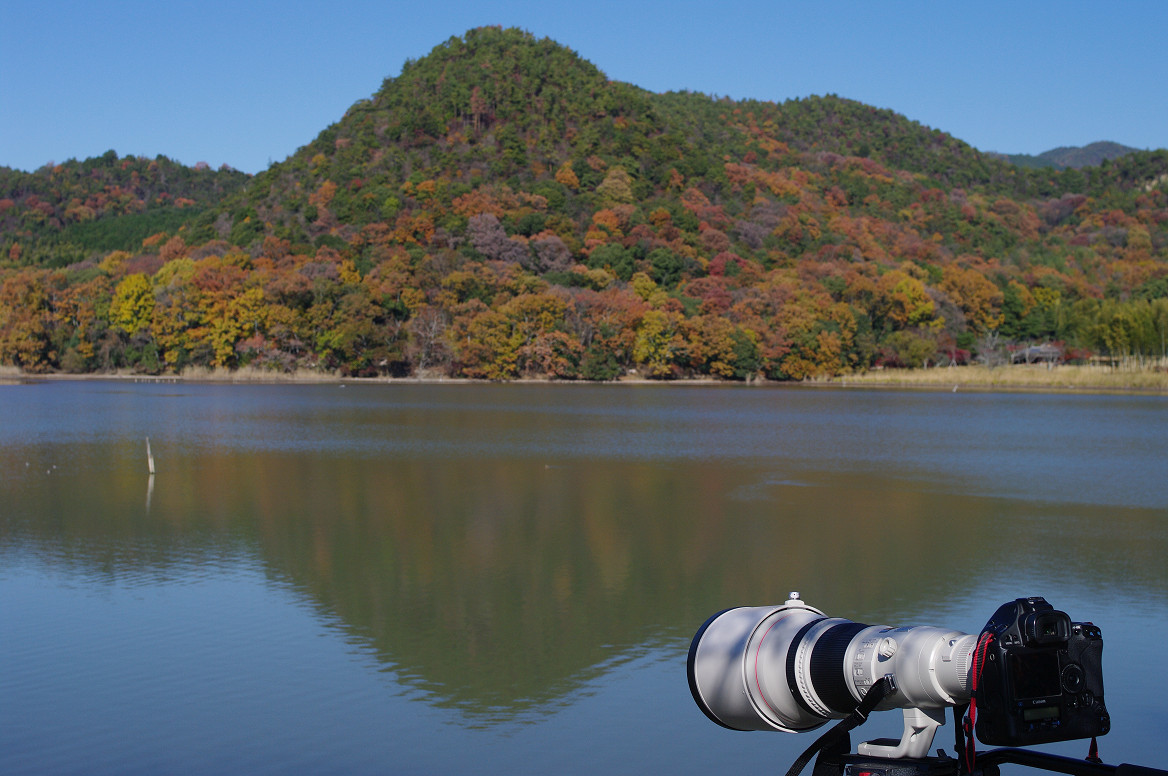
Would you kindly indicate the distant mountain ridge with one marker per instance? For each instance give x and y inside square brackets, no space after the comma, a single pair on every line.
[1070,157]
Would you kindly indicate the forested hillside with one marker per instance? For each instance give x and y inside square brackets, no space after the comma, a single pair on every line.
[501,209]
[62,213]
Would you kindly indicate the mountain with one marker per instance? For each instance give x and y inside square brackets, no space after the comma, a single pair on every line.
[503,209]
[1071,157]
[500,106]
[61,213]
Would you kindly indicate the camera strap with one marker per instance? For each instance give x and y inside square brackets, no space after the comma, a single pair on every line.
[959,742]
[859,715]
[979,658]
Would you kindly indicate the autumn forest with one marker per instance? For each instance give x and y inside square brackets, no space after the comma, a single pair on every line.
[502,210]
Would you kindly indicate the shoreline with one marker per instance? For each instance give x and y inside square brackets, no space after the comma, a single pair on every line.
[1014,378]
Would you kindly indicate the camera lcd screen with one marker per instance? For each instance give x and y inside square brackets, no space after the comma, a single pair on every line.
[1042,712]
[1034,674]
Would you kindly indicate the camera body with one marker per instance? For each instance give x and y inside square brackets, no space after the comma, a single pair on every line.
[1041,677]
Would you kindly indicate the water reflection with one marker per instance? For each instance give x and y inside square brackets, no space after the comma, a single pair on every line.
[499,584]
[501,551]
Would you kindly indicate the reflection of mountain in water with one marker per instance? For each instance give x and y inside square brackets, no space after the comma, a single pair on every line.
[499,585]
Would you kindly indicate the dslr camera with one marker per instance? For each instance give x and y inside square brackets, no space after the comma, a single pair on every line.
[1039,677]
[1032,676]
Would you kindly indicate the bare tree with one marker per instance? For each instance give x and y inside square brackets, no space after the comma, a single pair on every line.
[427,347]
[487,236]
[990,350]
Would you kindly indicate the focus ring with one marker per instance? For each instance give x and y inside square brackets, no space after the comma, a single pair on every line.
[828,672]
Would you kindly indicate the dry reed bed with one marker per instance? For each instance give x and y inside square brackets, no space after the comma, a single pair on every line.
[1021,376]
[1036,377]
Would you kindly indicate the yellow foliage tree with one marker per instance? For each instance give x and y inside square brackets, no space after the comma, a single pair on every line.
[24,321]
[643,285]
[232,320]
[112,264]
[617,186]
[658,341]
[133,304]
[976,295]
[566,176]
[904,300]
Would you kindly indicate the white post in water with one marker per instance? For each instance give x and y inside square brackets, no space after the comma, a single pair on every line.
[149,457]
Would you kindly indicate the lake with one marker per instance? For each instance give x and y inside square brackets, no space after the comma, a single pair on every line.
[498,579]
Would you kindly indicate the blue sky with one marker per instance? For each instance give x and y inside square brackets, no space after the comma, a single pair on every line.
[247,83]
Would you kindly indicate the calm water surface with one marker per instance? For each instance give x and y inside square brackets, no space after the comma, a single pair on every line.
[505,579]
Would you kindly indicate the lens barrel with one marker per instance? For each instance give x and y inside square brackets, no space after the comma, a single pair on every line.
[792,668]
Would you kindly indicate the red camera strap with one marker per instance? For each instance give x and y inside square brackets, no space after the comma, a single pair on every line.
[979,658]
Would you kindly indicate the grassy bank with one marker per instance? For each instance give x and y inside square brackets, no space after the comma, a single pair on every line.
[1036,377]
[1019,377]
